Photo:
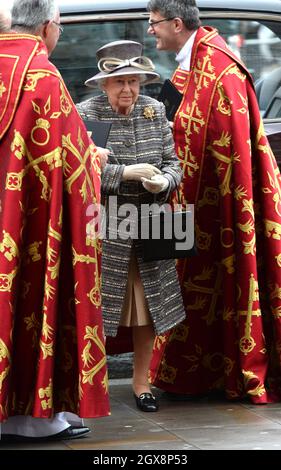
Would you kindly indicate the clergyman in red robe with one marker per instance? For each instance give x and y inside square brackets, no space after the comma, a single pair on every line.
[52,353]
[231,338]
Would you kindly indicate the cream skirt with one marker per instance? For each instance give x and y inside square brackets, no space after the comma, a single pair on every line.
[135,308]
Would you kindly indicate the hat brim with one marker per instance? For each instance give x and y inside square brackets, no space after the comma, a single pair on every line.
[146,77]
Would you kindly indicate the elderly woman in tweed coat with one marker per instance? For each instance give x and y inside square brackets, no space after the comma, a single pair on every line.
[142,168]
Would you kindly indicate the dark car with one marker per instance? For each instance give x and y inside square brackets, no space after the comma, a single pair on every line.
[252,28]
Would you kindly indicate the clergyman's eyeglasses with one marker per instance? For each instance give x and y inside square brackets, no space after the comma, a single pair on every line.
[60,26]
[153,23]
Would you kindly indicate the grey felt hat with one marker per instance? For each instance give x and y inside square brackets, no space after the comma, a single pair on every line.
[123,58]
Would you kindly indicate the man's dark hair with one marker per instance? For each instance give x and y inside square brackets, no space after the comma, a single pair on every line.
[185,9]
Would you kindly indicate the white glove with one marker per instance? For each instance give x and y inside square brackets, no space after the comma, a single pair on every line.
[156,184]
[139,171]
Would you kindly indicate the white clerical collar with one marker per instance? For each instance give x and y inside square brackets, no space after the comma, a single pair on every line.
[184,55]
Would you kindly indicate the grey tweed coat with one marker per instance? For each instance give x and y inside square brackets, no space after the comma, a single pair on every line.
[136,139]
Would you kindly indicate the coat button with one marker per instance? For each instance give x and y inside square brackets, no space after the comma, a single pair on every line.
[128,143]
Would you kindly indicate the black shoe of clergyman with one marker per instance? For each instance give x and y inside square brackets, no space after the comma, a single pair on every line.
[73,432]
[146,402]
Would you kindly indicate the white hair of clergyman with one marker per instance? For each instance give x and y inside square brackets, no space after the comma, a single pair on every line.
[28,15]
[5,16]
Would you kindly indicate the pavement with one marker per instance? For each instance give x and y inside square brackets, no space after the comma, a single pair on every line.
[208,423]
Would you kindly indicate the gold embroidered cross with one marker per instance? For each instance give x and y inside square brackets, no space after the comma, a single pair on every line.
[192,118]
[190,165]
[67,144]
[193,121]
[8,246]
[247,343]
[204,71]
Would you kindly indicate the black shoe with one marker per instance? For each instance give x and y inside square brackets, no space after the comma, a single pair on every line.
[146,402]
[73,432]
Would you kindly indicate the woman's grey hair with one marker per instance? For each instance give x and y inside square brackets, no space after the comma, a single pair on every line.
[28,15]
[101,83]
[185,9]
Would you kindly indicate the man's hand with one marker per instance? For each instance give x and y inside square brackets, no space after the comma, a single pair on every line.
[103,154]
[156,184]
[139,171]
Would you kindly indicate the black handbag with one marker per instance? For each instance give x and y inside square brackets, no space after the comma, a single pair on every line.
[167,234]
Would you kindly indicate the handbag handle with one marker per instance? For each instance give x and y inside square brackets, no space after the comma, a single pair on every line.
[179,199]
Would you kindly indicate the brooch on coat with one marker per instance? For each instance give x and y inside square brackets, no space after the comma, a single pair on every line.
[149,112]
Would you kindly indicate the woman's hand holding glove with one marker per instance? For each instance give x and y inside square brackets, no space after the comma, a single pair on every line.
[156,184]
[140,170]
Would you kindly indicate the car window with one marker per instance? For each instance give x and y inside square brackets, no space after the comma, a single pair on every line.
[75,52]
[257,43]
[254,42]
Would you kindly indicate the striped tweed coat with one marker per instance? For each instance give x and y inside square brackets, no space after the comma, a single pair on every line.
[142,137]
